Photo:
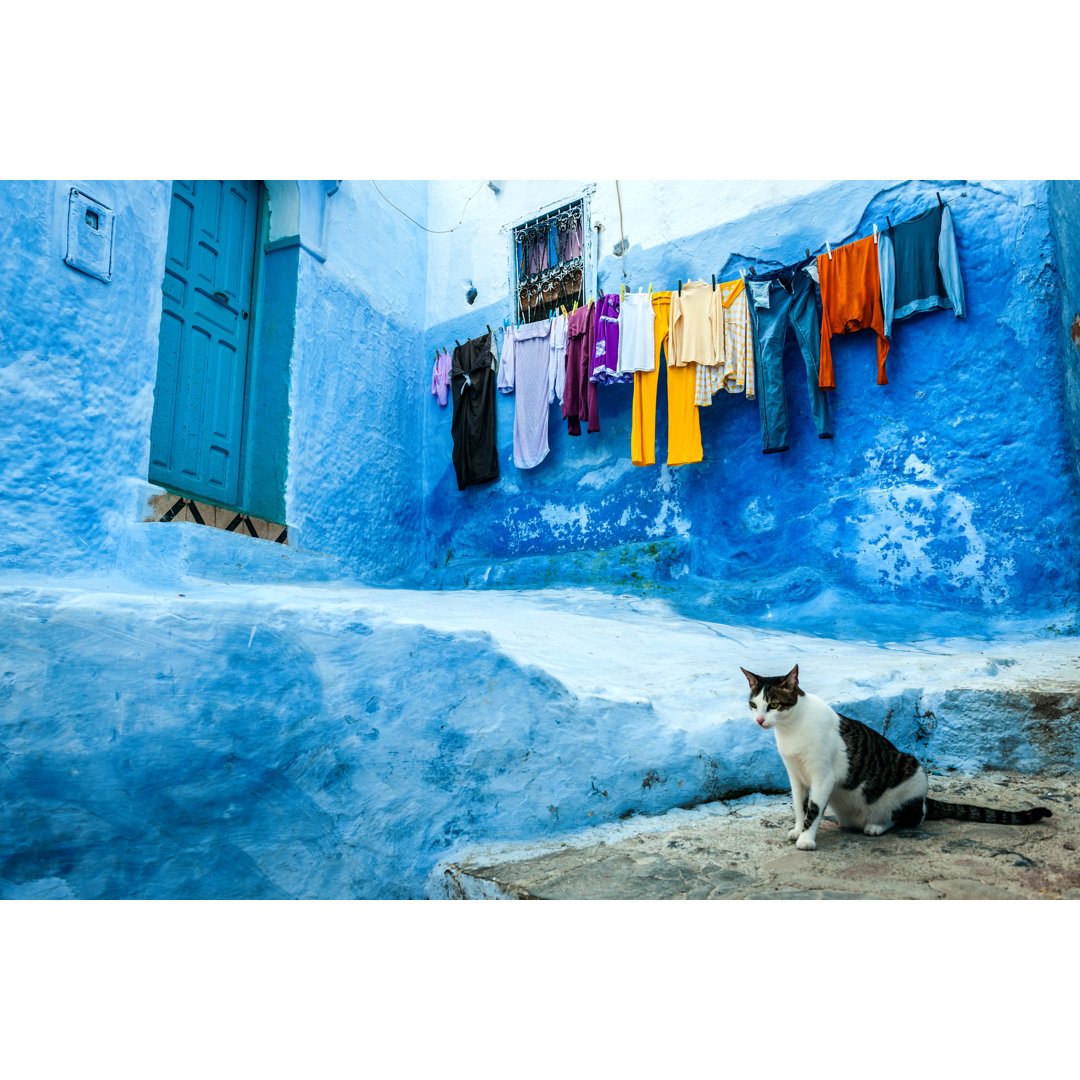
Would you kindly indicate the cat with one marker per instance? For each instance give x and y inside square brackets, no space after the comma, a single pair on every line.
[837,762]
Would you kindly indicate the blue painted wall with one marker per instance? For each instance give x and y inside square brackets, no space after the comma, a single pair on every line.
[1065,217]
[338,339]
[265,746]
[78,357]
[357,394]
[954,486]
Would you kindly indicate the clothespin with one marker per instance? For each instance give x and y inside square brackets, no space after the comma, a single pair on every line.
[828,249]
[940,203]
[650,287]
[714,283]
[875,234]
[742,273]
[622,292]
[457,343]
[887,221]
[753,270]
[489,329]
[808,253]
[680,288]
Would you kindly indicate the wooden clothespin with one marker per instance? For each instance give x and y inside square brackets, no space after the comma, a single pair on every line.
[828,249]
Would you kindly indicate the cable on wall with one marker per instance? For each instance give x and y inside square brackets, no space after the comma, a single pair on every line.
[424,227]
[622,235]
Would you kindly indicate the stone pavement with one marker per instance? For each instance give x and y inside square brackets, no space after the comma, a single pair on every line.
[740,850]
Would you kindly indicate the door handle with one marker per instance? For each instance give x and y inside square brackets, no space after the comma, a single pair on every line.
[221,298]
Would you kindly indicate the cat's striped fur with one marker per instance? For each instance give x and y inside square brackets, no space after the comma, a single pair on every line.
[836,762]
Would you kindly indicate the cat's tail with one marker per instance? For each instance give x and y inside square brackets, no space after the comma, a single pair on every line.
[936,810]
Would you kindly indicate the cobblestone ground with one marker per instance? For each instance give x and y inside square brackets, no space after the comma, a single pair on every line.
[741,851]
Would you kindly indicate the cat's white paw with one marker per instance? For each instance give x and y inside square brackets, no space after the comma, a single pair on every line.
[794,834]
[804,843]
[873,830]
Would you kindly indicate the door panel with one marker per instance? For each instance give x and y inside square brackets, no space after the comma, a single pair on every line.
[198,423]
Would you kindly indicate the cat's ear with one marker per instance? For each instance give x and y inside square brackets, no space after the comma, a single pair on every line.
[791,680]
[751,678]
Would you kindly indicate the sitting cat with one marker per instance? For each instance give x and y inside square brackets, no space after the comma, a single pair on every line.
[836,762]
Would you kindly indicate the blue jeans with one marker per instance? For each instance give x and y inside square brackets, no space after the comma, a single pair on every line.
[779,299]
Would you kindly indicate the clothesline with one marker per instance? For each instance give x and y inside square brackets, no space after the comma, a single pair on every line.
[745,274]
[725,336]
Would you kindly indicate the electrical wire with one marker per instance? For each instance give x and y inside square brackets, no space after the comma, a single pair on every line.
[424,227]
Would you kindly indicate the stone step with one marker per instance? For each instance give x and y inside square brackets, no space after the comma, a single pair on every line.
[739,850]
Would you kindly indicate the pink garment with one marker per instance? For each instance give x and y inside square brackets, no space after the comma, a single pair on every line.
[440,377]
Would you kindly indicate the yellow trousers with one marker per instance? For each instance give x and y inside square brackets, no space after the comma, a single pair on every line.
[684,425]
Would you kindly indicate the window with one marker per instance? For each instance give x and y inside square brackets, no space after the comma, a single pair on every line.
[552,257]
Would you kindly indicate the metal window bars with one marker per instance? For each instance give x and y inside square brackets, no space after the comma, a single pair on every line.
[550,253]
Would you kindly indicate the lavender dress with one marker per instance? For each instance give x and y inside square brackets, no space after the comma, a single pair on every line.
[527,370]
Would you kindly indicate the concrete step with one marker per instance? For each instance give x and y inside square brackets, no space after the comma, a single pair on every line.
[739,850]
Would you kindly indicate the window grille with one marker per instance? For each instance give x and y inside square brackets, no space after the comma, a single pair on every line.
[552,257]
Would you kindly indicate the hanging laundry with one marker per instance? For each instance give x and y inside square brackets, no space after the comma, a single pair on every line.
[781,299]
[696,327]
[440,377]
[579,398]
[604,368]
[684,424]
[636,344]
[736,374]
[851,301]
[557,343]
[472,384]
[919,268]
[527,370]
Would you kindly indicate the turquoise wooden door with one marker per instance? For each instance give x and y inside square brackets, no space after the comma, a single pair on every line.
[198,423]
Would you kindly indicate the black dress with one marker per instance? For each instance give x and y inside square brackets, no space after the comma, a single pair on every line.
[472,384]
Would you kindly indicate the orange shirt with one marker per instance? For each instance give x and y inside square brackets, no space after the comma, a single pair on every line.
[850,301]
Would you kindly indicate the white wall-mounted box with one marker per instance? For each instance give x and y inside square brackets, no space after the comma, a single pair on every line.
[90,236]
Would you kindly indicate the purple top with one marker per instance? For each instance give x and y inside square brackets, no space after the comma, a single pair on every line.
[440,377]
[527,370]
[605,357]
